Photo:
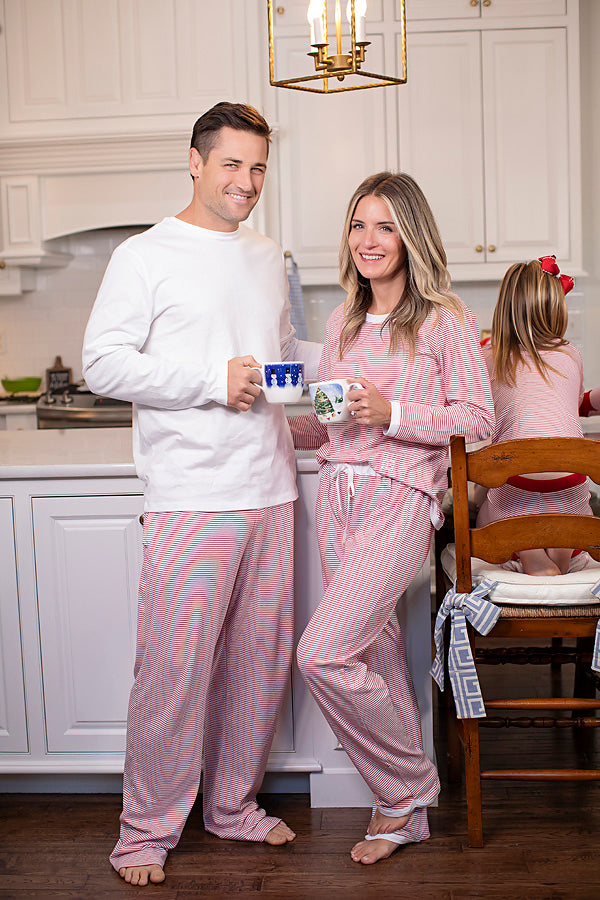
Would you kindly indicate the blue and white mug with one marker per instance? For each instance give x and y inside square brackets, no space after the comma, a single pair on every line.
[282,382]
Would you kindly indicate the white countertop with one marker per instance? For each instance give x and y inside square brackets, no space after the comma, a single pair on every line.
[16,408]
[80,453]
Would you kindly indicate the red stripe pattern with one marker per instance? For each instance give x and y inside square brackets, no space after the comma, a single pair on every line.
[443,390]
[352,653]
[215,642]
[534,407]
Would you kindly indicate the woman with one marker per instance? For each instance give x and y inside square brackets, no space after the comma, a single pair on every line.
[383,475]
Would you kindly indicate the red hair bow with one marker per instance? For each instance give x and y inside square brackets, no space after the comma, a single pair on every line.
[550,266]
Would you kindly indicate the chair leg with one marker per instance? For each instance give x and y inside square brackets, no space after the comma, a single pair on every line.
[453,741]
[584,685]
[453,725]
[473,782]
[556,669]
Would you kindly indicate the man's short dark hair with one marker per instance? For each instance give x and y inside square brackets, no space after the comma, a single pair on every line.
[238,116]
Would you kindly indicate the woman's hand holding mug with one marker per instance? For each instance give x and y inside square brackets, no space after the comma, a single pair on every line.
[367,406]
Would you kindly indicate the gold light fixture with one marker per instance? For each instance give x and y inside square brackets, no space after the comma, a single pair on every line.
[333,67]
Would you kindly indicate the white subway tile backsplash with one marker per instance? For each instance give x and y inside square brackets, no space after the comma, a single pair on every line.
[51,320]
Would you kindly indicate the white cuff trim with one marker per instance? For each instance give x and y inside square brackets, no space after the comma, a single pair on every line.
[394,837]
[394,426]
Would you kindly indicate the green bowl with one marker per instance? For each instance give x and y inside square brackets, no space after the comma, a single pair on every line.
[20,385]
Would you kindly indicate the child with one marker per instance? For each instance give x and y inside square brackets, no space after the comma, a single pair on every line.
[537,384]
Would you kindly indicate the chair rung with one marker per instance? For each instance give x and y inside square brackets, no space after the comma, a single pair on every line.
[541,774]
[544,703]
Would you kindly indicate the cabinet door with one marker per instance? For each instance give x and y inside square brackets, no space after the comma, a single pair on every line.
[88,553]
[292,13]
[77,59]
[496,9]
[327,145]
[440,136]
[440,9]
[526,143]
[486,9]
[13,729]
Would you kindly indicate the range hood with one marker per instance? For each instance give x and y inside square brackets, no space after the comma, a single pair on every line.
[53,187]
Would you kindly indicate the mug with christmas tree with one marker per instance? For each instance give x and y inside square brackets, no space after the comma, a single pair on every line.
[330,399]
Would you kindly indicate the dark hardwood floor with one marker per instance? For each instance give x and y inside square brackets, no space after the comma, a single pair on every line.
[542,841]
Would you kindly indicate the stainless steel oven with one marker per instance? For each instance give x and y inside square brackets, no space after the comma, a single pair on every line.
[77,408]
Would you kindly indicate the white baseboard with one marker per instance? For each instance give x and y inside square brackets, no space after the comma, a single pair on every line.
[341,788]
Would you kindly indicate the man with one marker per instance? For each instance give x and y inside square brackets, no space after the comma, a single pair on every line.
[185,310]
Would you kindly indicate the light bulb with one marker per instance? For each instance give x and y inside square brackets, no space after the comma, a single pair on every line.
[315,20]
[360,14]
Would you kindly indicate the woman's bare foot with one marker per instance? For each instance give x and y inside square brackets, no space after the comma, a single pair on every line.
[141,875]
[280,834]
[368,852]
[537,562]
[381,824]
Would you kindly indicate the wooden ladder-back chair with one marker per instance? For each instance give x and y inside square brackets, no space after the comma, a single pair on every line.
[573,612]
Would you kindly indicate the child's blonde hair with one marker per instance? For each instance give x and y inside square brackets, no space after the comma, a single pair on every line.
[530,317]
[427,280]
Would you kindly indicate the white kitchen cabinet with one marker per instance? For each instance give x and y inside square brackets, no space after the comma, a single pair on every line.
[17,417]
[109,66]
[69,525]
[488,124]
[484,9]
[496,153]
[88,556]
[526,144]
[326,146]
[13,729]
[292,13]
[440,136]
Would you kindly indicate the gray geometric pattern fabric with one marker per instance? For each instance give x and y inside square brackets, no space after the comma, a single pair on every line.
[596,655]
[483,615]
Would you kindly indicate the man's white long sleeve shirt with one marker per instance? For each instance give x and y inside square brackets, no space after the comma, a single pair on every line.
[177,302]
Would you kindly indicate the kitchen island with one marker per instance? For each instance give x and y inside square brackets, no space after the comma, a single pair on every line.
[70,506]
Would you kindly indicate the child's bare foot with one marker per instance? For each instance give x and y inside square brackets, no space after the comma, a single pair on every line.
[381,824]
[537,562]
[280,834]
[141,875]
[368,852]
[561,557]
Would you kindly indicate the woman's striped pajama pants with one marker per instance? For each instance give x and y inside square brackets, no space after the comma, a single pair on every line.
[214,648]
[373,543]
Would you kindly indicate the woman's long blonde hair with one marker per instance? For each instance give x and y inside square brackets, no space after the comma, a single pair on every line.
[427,279]
[530,317]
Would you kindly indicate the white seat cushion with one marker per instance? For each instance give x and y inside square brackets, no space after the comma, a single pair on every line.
[517,589]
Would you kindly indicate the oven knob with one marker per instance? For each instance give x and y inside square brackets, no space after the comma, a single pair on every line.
[50,398]
[66,398]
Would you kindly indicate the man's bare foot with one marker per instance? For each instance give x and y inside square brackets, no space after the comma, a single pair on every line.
[141,875]
[381,824]
[368,852]
[280,834]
